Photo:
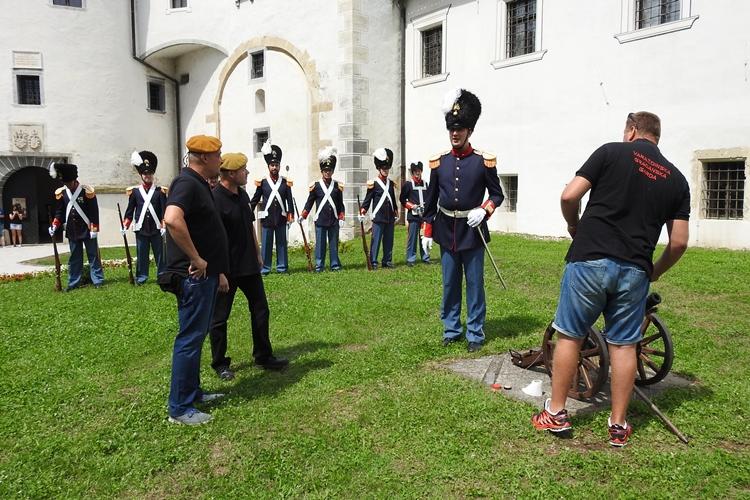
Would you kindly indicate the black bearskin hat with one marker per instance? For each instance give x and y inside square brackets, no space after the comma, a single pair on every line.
[383,158]
[461,109]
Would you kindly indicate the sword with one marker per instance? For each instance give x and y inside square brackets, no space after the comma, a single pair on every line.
[481,236]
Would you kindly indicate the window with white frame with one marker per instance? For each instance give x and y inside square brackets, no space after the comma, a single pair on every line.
[723,190]
[28,88]
[429,32]
[519,24]
[647,18]
[68,3]
[260,137]
[257,65]
[509,184]
[179,4]
[156,96]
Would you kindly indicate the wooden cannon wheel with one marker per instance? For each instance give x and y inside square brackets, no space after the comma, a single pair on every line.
[655,352]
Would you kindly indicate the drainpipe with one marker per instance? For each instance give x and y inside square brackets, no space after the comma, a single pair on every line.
[404,162]
[178,126]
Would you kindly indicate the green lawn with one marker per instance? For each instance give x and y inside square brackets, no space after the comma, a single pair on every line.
[363,410]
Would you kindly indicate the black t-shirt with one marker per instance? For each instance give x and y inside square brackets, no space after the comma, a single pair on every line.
[635,191]
[237,216]
[191,193]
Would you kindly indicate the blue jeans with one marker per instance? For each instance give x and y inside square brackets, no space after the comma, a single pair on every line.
[267,234]
[330,235]
[381,231]
[616,289]
[195,308]
[142,245]
[75,263]
[455,265]
[412,243]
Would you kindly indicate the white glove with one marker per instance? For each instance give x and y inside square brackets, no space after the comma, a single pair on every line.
[361,217]
[122,230]
[94,234]
[300,220]
[341,222]
[52,230]
[476,217]
[162,231]
[426,244]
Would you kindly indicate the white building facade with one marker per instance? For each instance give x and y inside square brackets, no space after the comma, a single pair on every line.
[89,81]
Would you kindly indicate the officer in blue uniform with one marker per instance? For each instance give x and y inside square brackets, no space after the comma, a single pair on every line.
[382,197]
[276,213]
[455,211]
[413,194]
[78,212]
[145,213]
[327,195]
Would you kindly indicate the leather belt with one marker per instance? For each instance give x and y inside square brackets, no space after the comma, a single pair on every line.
[456,214]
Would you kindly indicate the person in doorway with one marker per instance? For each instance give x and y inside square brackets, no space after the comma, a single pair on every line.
[382,198]
[2,228]
[145,213]
[78,213]
[634,192]
[16,225]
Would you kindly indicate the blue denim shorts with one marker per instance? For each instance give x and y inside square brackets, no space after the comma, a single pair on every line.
[610,287]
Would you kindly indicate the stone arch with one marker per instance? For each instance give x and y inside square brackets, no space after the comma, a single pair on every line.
[308,66]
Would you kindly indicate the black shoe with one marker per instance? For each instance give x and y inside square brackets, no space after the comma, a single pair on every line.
[448,341]
[473,346]
[410,264]
[272,363]
[225,373]
[389,265]
[71,288]
[98,285]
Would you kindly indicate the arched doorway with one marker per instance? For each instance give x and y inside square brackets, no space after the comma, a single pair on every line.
[35,190]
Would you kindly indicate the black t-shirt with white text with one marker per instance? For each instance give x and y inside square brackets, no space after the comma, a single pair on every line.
[635,190]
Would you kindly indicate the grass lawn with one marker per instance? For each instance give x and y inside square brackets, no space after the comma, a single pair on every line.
[363,410]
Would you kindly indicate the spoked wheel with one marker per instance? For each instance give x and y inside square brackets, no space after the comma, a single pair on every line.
[655,351]
[593,362]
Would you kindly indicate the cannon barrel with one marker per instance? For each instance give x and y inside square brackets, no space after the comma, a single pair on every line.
[652,301]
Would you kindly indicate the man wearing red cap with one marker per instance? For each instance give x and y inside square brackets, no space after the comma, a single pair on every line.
[197,263]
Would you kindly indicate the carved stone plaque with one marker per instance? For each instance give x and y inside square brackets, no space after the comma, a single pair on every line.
[27,138]
[27,60]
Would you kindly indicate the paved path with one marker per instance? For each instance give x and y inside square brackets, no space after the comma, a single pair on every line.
[12,258]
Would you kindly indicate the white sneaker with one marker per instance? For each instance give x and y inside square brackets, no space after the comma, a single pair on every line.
[192,417]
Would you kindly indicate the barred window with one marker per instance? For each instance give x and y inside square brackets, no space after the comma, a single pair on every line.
[179,4]
[258,61]
[723,190]
[655,12]
[68,3]
[510,190]
[156,101]
[521,32]
[29,89]
[432,51]
[261,137]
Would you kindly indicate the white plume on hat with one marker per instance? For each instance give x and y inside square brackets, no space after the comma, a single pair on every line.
[450,99]
[326,152]
[380,154]
[266,149]
[52,170]
[135,159]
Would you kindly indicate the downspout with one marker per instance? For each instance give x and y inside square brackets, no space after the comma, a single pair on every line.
[177,148]
[402,11]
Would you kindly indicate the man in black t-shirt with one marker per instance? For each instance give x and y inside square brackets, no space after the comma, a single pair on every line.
[635,191]
[236,214]
[197,252]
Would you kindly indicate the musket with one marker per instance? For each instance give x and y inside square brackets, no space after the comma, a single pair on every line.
[58,285]
[364,237]
[127,249]
[304,238]
[491,259]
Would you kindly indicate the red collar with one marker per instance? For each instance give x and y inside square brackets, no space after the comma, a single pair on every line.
[274,179]
[147,186]
[463,154]
[415,179]
[383,178]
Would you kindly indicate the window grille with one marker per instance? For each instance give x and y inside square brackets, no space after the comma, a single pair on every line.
[156,96]
[179,4]
[655,12]
[510,190]
[29,90]
[521,32]
[723,190]
[432,51]
[68,3]
[261,137]
[258,61]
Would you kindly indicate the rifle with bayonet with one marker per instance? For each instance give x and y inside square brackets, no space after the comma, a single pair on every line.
[58,284]
[127,249]
[364,237]
[304,238]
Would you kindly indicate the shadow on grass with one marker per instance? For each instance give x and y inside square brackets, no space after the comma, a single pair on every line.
[513,325]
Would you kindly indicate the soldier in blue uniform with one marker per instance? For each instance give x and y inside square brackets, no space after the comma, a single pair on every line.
[327,195]
[78,212]
[277,210]
[455,207]
[413,194]
[381,196]
[145,215]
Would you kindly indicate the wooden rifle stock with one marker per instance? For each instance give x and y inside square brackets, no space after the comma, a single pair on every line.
[127,249]
[58,284]
[364,237]
[304,238]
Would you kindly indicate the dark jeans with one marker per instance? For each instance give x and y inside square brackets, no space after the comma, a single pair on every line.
[142,245]
[252,287]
